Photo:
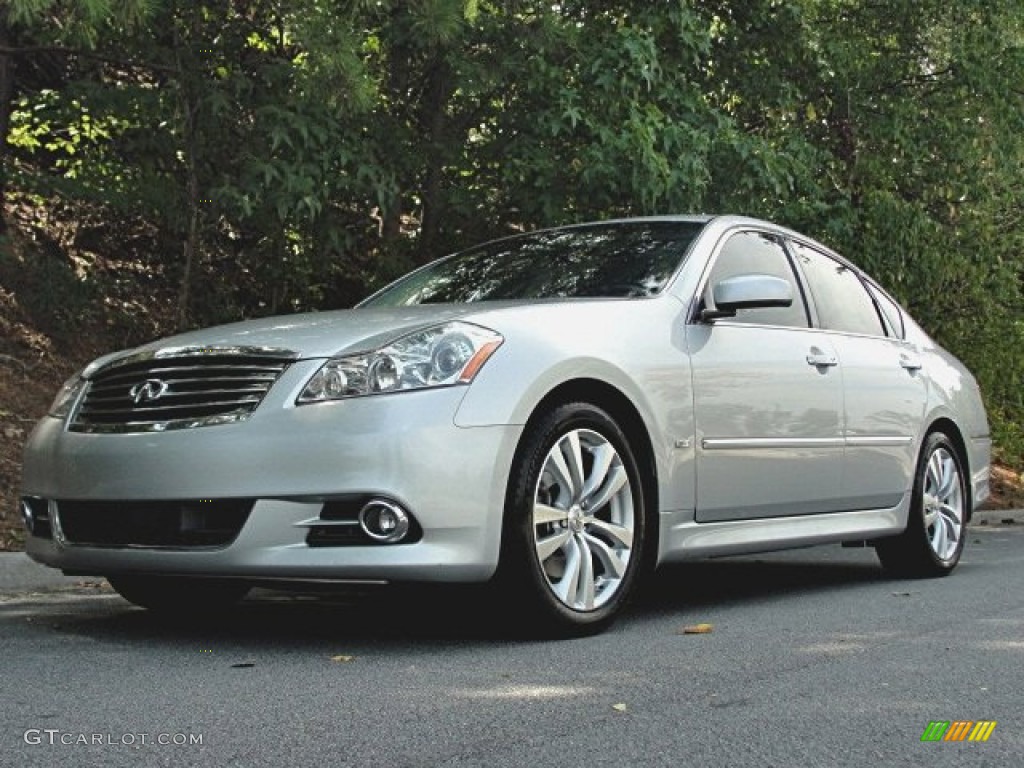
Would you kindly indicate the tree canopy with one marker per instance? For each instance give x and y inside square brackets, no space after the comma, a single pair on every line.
[281,156]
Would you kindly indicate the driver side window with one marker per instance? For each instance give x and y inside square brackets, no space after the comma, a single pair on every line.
[747,253]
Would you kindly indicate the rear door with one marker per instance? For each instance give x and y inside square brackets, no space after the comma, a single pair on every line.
[884,392]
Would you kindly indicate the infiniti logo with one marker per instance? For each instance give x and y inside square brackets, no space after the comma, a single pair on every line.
[148,390]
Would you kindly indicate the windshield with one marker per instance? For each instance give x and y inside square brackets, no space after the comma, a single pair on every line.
[595,261]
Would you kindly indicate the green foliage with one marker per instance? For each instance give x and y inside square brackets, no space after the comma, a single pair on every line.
[79,22]
[307,151]
[49,286]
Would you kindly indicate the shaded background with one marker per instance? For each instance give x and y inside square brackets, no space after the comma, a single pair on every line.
[175,164]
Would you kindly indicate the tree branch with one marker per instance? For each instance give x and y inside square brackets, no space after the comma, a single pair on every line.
[65,51]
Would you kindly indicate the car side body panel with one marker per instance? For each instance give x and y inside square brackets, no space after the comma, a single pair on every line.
[883,407]
[953,396]
[769,424]
[636,347]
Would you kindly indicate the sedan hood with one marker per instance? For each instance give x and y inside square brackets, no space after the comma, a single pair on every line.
[320,334]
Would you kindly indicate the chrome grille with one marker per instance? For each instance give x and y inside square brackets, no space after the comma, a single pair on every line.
[178,389]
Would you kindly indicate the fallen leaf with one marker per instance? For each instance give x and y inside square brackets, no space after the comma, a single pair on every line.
[244,665]
[620,707]
[698,629]
[902,594]
[342,658]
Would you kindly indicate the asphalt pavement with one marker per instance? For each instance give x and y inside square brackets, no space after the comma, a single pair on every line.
[814,657]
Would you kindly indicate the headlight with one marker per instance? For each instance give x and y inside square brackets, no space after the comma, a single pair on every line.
[447,354]
[67,396]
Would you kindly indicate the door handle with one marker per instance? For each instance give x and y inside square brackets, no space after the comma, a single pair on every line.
[819,359]
[911,363]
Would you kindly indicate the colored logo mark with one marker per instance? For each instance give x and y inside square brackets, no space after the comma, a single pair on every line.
[958,730]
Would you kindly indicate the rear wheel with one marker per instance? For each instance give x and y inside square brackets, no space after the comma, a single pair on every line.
[934,538]
[179,594]
[575,521]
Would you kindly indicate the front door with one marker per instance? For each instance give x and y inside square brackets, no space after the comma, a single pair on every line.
[768,400]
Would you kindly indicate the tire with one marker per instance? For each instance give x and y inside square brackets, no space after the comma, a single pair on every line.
[934,537]
[575,523]
[179,595]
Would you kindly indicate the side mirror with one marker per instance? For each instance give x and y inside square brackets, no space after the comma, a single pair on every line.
[748,292]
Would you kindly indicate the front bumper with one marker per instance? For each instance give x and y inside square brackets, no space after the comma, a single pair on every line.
[291,460]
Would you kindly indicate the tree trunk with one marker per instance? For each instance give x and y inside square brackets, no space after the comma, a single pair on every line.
[191,245]
[435,119]
[6,105]
[190,136]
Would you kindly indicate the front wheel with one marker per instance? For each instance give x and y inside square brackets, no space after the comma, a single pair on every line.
[575,521]
[934,538]
[179,595]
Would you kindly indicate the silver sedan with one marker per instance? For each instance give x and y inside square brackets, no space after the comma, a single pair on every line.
[552,413]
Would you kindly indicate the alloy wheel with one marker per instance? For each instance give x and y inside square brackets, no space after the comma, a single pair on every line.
[943,504]
[583,520]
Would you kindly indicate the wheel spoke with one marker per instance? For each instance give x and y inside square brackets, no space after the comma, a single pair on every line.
[619,534]
[545,513]
[930,516]
[950,528]
[950,513]
[613,566]
[617,478]
[586,586]
[934,480]
[570,448]
[948,478]
[557,466]
[568,586]
[547,546]
[951,522]
[939,539]
[603,456]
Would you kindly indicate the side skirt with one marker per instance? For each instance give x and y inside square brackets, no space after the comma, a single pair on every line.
[685,539]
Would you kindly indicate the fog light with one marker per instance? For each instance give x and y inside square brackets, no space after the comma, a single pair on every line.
[384,521]
[28,516]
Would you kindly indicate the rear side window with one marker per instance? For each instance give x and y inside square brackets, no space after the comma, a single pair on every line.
[841,299]
[891,312]
[755,253]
